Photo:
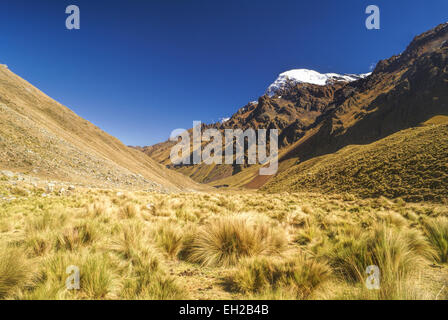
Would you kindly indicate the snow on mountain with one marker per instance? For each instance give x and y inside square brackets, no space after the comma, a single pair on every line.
[310,76]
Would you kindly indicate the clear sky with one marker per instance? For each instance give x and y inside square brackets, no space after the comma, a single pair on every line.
[140,68]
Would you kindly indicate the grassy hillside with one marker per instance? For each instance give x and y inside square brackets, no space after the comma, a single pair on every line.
[412,164]
[41,137]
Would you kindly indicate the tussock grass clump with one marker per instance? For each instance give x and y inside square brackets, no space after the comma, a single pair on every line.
[170,239]
[14,271]
[47,220]
[143,272]
[97,278]
[437,232]
[224,241]
[309,234]
[18,191]
[152,284]
[299,275]
[39,243]
[307,209]
[130,242]
[129,210]
[411,215]
[73,237]
[97,208]
[395,253]
[398,255]
[392,218]
[226,203]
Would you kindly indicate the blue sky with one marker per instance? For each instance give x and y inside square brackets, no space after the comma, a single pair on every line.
[139,69]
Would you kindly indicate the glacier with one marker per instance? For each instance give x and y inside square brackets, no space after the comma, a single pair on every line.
[297,76]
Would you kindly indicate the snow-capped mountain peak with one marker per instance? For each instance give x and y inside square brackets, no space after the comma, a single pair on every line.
[310,76]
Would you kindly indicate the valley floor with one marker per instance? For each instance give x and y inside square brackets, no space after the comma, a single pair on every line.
[223,245]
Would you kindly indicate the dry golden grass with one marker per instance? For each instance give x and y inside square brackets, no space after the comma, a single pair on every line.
[230,245]
[297,275]
[14,270]
[437,233]
[225,241]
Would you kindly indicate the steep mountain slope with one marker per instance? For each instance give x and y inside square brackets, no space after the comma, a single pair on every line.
[402,92]
[411,164]
[41,137]
[319,114]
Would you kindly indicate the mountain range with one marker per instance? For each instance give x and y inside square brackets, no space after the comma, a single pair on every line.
[320,114]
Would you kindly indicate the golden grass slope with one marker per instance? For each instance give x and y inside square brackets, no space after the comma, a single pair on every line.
[412,164]
[40,136]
